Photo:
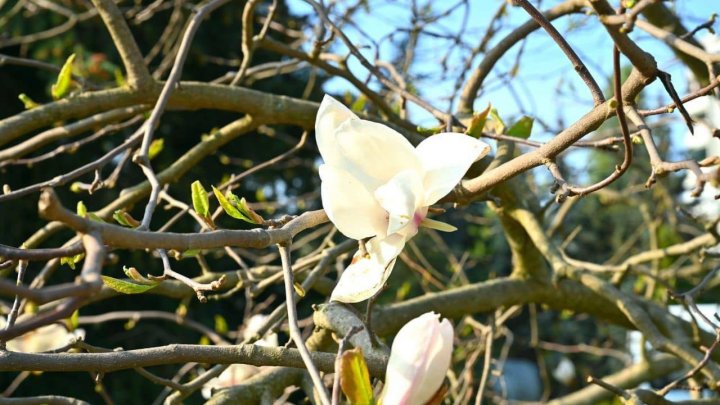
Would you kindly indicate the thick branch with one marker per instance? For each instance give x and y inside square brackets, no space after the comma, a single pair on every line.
[138,74]
[171,354]
[117,236]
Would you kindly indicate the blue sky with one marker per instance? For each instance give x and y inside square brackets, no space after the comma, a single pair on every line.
[545,86]
[543,68]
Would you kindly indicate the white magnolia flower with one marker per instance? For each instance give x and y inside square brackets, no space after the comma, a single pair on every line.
[565,371]
[43,339]
[376,184]
[419,359]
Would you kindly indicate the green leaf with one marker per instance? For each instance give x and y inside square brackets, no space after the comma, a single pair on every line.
[355,378]
[68,261]
[27,101]
[358,105]
[428,131]
[229,208]
[497,123]
[244,208]
[74,321]
[126,287]
[200,199]
[119,78]
[72,260]
[477,124]
[190,253]
[156,146]
[64,79]
[125,219]
[95,217]
[522,128]
[221,325]
[81,209]
[299,290]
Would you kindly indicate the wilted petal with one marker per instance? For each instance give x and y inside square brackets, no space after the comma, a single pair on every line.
[446,158]
[374,153]
[400,197]
[330,115]
[349,205]
[419,360]
[367,275]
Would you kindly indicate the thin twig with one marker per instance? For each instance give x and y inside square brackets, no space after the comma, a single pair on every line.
[12,316]
[142,158]
[578,64]
[295,333]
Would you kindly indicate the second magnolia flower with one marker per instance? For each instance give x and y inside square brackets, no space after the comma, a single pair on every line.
[376,184]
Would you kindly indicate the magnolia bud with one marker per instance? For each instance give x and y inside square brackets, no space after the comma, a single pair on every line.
[419,359]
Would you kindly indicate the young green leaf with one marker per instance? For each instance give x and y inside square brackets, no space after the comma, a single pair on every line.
[429,131]
[119,78]
[245,209]
[229,208]
[27,101]
[522,128]
[93,216]
[358,105]
[74,321]
[477,124]
[355,378]
[156,146]
[200,199]
[126,287]
[221,325]
[62,86]
[125,219]
[71,261]
[81,209]
[68,261]
[299,290]
[497,123]
[189,253]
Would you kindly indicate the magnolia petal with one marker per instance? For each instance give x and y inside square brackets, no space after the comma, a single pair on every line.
[43,339]
[446,158]
[373,152]
[330,115]
[439,356]
[419,359]
[349,205]
[366,276]
[401,197]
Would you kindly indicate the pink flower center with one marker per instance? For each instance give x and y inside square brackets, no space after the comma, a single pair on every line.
[418,218]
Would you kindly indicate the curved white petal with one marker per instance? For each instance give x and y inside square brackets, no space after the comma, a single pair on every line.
[330,115]
[439,356]
[401,197]
[446,158]
[373,152]
[349,205]
[419,359]
[366,276]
